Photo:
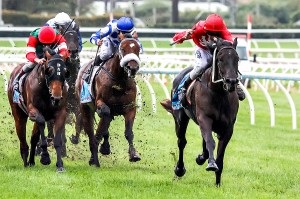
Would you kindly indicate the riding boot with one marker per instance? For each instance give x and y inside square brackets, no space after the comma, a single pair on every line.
[98,61]
[240,93]
[17,79]
[183,89]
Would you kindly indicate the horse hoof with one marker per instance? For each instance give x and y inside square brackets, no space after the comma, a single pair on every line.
[212,167]
[179,171]
[92,162]
[74,139]
[60,169]
[31,164]
[45,159]
[200,160]
[134,158]
[105,149]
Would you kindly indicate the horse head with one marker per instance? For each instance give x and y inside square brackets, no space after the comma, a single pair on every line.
[71,37]
[129,50]
[55,74]
[225,64]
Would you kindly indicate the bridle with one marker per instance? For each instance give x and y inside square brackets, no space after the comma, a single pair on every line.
[215,55]
[59,67]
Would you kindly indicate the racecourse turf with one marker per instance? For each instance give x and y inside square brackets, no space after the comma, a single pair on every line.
[260,161]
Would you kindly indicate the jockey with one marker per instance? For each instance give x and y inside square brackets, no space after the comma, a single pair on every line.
[212,27]
[111,36]
[62,19]
[38,39]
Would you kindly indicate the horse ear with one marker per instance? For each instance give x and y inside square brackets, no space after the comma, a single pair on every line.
[235,43]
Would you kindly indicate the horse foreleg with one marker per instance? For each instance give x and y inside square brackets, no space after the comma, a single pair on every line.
[129,120]
[88,126]
[102,132]
[181,123]
[35,116]
[50,130]
[220,156]
[206,131]
[35,136]
[59,129]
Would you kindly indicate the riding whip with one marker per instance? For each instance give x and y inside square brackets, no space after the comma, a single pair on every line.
[63,34]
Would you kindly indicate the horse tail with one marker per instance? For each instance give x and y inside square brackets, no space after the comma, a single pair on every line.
[167,104]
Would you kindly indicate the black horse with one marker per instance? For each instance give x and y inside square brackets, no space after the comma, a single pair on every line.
[213,105]
[44,99]
[114,91]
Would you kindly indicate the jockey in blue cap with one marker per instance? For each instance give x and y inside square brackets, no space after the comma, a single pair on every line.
[110,37]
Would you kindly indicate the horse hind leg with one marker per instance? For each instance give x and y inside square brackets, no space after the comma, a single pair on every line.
[78,128]
[181,123]
[88,126]
[20,123]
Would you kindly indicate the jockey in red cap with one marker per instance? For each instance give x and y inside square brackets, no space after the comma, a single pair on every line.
[213,26]
[40,37]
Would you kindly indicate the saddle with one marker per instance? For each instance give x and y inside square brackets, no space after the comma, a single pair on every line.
[87,89]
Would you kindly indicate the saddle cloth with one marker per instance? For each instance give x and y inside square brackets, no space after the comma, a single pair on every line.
[87,93]
[18,94]
[177,97]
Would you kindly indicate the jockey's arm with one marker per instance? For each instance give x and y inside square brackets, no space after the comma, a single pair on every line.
[100,34]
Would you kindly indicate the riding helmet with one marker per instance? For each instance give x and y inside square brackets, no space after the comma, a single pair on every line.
[62,18]
[214,23]
[47,35]
[125,24]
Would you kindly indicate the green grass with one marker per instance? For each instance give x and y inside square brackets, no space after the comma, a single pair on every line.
[260,161]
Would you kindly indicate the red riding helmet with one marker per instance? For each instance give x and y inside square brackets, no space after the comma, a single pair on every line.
[47,35]
[214,23]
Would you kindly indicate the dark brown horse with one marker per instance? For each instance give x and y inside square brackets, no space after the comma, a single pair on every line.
[73,65]
[213,106]
[114,89]
[45,99]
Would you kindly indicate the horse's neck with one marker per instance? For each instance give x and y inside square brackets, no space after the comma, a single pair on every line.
[115,69]
[207,78]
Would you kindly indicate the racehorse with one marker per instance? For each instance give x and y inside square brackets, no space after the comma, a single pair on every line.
[114,89]
[213,105]
[73,65]
[44,99]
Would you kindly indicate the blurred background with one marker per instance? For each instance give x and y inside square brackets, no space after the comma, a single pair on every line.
[154,13]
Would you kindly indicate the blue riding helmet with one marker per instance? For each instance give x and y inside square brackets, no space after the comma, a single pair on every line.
[125,24]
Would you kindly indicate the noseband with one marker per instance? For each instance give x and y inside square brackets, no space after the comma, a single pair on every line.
[128,57]
[215,54]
